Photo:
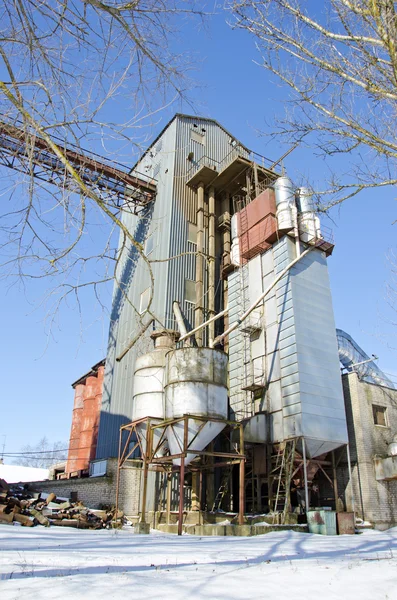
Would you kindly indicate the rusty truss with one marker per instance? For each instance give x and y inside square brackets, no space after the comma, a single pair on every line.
[149,435]
[28,153]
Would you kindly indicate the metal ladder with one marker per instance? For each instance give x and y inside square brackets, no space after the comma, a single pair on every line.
[223,488]
[283,474]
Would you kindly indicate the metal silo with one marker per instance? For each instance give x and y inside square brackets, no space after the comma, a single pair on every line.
[148,399]
[285,202]
[195,384]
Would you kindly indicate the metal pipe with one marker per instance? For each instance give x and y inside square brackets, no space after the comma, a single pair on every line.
[349,466]
[193,331]
[199,310]
[296,230]
[305,474]
[262,296]
[211,263]
[179,319]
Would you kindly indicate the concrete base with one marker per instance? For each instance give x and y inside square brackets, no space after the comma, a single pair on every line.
[143,528]
[230,530]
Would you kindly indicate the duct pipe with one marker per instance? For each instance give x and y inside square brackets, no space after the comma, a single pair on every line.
[211,263]
[199,311]
[226,244]
[180,321]
[262,296]
[193,331]
[296,230]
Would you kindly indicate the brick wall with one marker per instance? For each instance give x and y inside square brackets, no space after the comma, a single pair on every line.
[97,491]
[376,501]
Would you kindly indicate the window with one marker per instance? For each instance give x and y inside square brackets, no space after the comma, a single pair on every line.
[98,468]
[192,233]
[190,290]
[379,414]
[144,303]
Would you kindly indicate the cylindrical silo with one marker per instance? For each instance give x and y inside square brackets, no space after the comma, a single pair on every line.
[195,384]
[148,400]
[285,201]
[73,463]
[309,223]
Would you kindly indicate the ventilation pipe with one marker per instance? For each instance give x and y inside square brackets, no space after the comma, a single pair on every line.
[211,262]
[199,311]
[353,358]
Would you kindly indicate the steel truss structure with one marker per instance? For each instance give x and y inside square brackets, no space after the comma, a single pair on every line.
[28,153]
[149,450]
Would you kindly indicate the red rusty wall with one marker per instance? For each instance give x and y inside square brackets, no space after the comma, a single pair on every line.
[257,225]
[85,421]
[74,443]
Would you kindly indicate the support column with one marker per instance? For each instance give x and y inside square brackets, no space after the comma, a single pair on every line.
[146,471]
[199,311]
[305,474]
[241,480]
[335,480]
[353,504]
[226,247]
[211,263]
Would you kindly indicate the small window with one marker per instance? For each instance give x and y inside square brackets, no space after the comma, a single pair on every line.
[144,303]
[190,290]
[192,233]
[149,245]
[379,413]
[198,137]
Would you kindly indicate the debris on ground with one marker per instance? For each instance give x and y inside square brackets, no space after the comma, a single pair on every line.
[29,508]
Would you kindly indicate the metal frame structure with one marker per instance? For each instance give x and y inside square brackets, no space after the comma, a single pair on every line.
[27,152]
[148,456]
[301,463]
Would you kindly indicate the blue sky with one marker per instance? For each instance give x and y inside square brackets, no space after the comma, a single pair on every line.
[38,369]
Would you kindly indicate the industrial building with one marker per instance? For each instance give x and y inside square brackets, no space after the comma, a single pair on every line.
[222,385]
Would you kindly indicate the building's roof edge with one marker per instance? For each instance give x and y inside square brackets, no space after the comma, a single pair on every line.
[185,116]
[91,372]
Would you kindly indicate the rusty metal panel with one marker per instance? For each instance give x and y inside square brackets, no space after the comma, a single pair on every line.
[346,523]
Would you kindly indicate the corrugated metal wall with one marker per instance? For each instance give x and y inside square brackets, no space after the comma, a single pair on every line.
[296,351]
[168,222]
[134,278]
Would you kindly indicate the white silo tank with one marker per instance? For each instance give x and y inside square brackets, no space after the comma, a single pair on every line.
[148,399]
[309,223]
[285,202]
[195,384]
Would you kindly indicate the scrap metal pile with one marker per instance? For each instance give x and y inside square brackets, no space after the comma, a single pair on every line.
[29,508]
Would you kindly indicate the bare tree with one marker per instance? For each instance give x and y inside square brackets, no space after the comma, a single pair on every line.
[76,73]
[41,455]
[339,61]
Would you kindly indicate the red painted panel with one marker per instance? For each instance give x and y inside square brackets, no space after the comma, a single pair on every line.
[85,421]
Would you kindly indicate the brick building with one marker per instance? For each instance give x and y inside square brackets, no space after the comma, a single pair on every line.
[371,412]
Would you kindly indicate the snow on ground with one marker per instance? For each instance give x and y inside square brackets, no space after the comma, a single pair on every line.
[56,563]
[17,474]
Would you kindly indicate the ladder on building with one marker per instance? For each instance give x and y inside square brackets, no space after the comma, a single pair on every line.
[223,488]
[282,474]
